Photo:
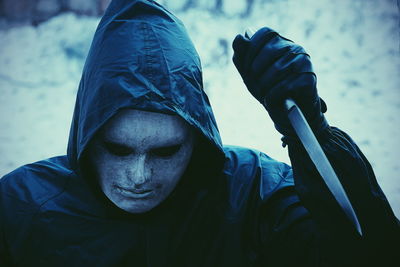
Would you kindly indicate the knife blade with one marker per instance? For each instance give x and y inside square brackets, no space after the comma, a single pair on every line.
[320,160]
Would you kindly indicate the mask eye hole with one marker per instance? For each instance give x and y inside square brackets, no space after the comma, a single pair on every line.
[166,152]
[117,149]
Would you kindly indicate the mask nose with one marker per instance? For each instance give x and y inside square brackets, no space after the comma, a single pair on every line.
[138,172]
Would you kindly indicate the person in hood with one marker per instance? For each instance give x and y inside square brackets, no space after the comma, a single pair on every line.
[147,181]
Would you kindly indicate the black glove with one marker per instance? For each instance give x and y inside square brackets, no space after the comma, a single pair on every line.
[274,69]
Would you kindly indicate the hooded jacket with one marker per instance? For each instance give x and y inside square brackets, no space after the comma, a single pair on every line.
[233,206]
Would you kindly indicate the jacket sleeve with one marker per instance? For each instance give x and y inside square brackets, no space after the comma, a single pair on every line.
[307,225]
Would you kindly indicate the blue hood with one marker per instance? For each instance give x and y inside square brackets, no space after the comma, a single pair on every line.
[141,57]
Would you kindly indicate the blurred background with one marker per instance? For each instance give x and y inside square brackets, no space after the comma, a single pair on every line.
[354,46]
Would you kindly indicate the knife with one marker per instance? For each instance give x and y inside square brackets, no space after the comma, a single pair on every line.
[317,156]
[321,162]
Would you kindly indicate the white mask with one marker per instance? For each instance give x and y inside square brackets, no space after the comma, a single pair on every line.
[140,156]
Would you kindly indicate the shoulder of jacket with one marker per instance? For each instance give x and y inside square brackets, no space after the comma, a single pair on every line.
[237,158]
[246,166]
[36,182]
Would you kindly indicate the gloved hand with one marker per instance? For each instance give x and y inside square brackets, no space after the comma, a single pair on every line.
[274,69]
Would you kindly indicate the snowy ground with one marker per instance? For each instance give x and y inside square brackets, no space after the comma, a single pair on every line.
[354,46]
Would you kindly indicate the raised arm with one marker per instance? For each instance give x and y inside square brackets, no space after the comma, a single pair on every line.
[274,69]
